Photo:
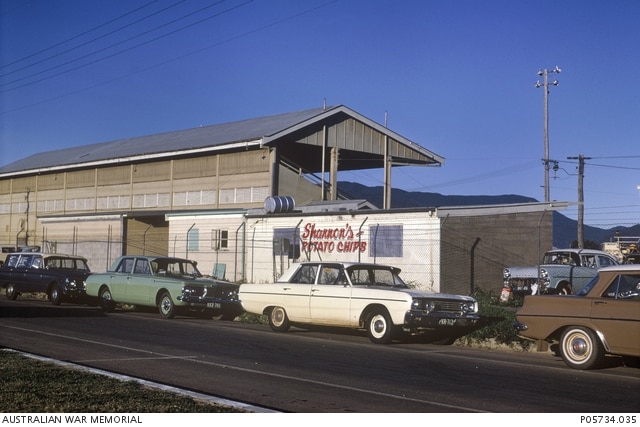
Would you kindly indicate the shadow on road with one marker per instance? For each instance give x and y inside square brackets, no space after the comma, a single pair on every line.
[26,311]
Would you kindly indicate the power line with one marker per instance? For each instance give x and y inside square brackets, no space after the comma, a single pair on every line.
[197,51]
[17,61]
[120,43]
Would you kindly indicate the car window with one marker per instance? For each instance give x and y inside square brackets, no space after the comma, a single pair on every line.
[359,276]
[190,269]
[560,258]
[82,265]
[605,261]
[142,267]
[625,286]
[125,266]
[12,260]
[59,263]
[67,263]
[305,275]
[589,261]
[25,261]
[383,277]
[372,276]
[37,262]
[52,263]
[331,275]
[174,267]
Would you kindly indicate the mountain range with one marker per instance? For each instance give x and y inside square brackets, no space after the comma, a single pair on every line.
[565,230]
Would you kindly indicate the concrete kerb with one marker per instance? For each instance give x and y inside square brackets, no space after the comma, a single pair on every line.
[151,384]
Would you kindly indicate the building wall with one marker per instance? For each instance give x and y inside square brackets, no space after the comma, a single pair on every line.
[146,235]
[476,249]
[208,182]
[97,238]
[261,247]
[292,183]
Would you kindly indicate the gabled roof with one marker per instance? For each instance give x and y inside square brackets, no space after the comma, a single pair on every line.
[257,131]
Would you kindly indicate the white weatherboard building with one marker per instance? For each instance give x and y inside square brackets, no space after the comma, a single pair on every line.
[262,246]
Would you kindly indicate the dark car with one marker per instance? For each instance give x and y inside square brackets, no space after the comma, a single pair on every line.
[62,277]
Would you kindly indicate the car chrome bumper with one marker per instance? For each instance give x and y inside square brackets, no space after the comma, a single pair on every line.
[216,304]
[415,322]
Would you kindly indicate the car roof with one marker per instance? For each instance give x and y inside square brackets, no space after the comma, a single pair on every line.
[579,251]
[48,255]
[348,263]
[155,257]
[622,267]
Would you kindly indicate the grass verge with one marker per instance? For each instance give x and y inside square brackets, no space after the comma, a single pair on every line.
[35,386]
[496,328]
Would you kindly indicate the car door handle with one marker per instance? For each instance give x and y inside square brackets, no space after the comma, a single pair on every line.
[599,302]
[286,289]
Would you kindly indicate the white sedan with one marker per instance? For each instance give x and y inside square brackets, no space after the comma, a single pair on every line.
[358,296]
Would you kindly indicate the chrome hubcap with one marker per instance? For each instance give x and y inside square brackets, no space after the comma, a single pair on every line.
[579,347]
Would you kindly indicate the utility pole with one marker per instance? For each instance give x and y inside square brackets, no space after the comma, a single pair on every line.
[581,158]
[545,74]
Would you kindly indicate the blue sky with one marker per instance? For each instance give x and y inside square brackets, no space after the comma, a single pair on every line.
[457,77]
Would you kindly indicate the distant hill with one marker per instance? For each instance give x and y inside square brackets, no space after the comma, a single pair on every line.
[564,229]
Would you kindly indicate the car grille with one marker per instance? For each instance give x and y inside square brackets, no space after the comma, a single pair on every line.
[522,284]
[448,306]
[441,306]
[212,292]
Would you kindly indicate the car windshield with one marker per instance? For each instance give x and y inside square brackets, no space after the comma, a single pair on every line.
[175,267]
[374,276]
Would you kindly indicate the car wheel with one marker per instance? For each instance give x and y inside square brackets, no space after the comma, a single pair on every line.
[564,289]
[55,295]
[278,320]
[11,292]
[580,348]
[106,302]
[166,306]
[380,327]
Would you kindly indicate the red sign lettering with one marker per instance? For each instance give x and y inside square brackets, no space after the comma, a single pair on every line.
[332,239]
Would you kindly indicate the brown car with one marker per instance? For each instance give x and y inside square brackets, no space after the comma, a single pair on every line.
[603,318]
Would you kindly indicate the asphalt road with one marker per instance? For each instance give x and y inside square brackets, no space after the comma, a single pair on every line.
[312,370]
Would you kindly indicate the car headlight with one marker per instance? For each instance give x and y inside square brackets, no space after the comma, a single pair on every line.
[506,274]
[423,305]
[231,293]
[193,291]
[70,283]
[469,307]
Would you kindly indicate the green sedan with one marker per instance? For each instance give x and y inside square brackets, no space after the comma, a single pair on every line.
[173,285]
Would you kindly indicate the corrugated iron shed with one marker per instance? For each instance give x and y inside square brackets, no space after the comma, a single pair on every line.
[283,130]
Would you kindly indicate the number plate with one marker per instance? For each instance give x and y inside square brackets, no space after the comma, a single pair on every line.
[447,322]
[213,305]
